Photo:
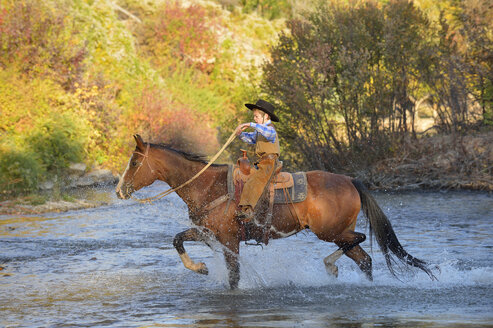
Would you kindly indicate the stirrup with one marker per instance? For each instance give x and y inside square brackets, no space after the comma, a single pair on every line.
[245,215]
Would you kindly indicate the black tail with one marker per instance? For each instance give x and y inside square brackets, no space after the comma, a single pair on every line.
[384,234]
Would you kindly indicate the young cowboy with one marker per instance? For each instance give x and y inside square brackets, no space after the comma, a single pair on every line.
[267,150]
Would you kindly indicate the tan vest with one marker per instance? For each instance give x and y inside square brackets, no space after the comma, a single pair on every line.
[263,146]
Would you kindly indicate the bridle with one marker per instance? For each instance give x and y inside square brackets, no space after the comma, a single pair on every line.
[145,158]
[171,190]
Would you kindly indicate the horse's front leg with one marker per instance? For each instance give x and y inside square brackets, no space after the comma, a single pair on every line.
[233,266]
[192,234]
[231,250]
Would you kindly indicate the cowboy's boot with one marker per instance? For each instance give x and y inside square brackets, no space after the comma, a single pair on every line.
[245,213]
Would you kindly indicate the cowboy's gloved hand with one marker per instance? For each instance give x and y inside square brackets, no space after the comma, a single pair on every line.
[241,127]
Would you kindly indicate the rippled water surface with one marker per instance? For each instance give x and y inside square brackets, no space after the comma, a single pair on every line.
[116,266]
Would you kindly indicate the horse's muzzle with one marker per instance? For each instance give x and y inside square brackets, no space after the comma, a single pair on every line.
[124,191]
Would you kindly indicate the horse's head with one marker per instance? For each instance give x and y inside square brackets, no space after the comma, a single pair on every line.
[138,173]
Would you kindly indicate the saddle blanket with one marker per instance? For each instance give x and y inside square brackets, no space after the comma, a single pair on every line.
[296,193]
[289,187]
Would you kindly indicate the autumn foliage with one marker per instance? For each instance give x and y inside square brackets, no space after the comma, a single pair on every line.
[187,34]
[72,91]
[78,80]
[39,41]
[162,120]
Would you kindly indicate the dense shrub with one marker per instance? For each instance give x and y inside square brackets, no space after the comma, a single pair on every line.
[97,105]
[45,152]
[57,141]
[270,9]
[184,33]
[41,131]
[351,76]
[20,171]
[463,67]
[159,119]
[36,40]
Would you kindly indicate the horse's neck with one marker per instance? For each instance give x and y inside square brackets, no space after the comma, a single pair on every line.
[177,170]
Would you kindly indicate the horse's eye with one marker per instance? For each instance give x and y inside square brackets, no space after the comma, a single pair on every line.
[134,164]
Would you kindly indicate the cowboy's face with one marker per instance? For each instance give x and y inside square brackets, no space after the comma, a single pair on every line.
[260,117]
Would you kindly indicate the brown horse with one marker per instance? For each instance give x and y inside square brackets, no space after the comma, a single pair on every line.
[329,211]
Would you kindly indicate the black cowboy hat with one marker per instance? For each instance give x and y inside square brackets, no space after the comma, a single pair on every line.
[264,106]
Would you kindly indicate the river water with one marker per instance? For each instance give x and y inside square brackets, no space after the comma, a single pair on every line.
[115,266]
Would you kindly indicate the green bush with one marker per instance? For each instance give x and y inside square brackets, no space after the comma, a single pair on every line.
[20,171]
[57,141]
[270,9]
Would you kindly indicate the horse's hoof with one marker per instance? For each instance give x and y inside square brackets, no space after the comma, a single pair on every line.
[202,269]
[332,269]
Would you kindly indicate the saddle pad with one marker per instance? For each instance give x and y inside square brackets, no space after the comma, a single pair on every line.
[297,193]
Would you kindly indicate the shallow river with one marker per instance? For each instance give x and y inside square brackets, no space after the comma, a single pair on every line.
[116,266]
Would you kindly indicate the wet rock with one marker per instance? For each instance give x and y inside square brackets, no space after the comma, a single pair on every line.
[102,176]
[55,206]
[47,185]
[84,181]
[77,169]
[97,177]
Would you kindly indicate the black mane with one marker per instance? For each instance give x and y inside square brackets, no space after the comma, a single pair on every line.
[190,156]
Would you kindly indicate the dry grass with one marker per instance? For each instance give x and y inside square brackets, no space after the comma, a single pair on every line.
[439,162]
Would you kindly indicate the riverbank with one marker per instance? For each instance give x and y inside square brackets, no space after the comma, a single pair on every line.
[444,162]
[80,190]
[69,200]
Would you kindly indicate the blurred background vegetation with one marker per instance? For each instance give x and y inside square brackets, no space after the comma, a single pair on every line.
[355,82]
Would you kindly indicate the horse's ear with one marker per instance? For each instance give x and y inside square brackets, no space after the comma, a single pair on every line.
[139,141]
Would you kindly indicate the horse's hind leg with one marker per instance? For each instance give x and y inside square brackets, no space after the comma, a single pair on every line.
[362,259]
[349,242]
[330,260]
[192,234]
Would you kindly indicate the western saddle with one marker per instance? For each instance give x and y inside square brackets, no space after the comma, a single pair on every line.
[260,228]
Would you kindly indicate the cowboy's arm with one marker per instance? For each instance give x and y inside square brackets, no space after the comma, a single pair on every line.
[248,137]
[267,131]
